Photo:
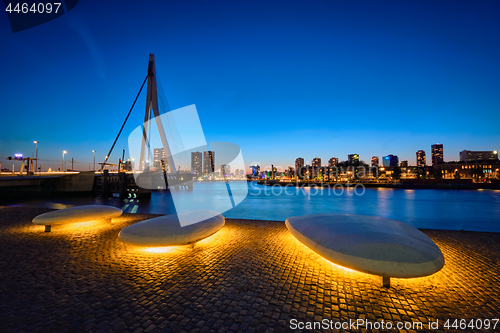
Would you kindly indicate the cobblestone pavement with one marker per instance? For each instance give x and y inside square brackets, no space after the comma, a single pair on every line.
[252,276]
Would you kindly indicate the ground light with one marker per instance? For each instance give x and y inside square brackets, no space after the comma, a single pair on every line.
[321,263]
[213,240]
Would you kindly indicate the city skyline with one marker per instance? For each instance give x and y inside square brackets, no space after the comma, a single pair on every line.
[364,77]
[391,160]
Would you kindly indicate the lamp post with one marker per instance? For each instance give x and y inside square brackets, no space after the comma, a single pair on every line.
[62,167]
[36,159]
[94,159]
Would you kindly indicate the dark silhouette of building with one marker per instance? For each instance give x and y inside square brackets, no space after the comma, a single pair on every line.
[375,161]
[421,163]
[316,162]
[437,154]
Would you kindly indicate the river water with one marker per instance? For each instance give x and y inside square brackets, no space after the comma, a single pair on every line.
[471,210]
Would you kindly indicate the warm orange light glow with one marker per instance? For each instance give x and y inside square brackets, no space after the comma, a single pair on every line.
[213,240]
[317,261]
[71,227]
[164,249]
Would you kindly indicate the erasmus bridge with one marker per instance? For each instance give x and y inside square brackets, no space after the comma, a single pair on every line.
[167,177]
[177,133]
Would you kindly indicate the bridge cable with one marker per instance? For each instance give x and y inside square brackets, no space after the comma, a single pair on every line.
[121,129]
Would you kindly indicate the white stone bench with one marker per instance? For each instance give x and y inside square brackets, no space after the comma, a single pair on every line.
[77,214]
[369,244]
[167,230]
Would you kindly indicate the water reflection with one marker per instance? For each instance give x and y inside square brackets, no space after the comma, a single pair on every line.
[433,209]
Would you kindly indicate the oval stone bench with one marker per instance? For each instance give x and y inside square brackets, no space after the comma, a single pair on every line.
[77,214]
[369,244]
[167,231]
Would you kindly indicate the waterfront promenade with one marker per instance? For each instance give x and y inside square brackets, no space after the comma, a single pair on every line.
[252,276]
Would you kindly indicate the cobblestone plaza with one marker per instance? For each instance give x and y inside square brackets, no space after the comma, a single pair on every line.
[252,276]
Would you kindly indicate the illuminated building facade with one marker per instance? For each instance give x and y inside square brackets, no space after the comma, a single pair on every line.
[375,161]
[225,171]
[239,174]
[208,162]
[404,164]
[159,154]
[127,166]
[316,162]
[469,156]
[333,162]
[353,158]
[437,154]
[255,170]
[390,161]
[299,164]
[421,163]
[196,162]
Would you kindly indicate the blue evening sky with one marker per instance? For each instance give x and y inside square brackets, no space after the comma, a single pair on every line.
[281,79]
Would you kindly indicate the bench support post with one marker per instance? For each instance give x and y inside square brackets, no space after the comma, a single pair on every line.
[386,281]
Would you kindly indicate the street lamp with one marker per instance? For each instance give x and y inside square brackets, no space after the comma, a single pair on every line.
[62,167]
[94,159]
[36,160]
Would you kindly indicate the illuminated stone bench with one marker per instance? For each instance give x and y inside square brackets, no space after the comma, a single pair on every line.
[167,230]
[91,213]
[369,244]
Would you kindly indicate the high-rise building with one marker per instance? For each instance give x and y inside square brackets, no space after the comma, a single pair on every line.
[404,164]
[299,167]
[333,162]
[316,162]
[299,163]
[437,154]
[390,161]
[273,171]
[290,172]
[255,170]
[127,165]
[225,171]
[353,158]
[375,161]
[469,156]
[208,162]
[196,162]
[421,159]
[159,154]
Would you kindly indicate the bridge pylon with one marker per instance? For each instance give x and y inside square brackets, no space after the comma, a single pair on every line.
[152,110]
